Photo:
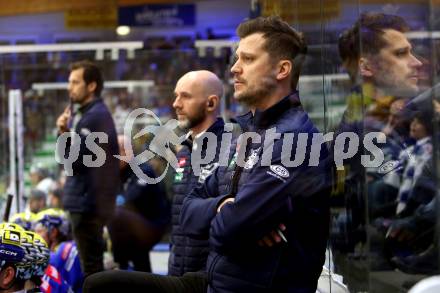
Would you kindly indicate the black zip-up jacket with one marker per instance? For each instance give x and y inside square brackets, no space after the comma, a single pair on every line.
[189,254]
[93,189]
[268,193]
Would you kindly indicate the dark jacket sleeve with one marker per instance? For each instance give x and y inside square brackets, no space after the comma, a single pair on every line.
[200,207]
[262,200]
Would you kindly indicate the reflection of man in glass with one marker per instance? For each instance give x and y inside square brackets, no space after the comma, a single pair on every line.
[376,52]
[393,69]
[383,69]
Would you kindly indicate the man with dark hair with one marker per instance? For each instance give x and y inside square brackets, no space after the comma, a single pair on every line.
[91,73]
[382,68]
[380,53]
[249,198]
[37,200]
[281,43]
[367,37]
[88,196]
[385,74]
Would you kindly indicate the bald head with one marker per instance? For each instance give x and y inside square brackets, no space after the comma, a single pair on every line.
[197,99]
[205,80]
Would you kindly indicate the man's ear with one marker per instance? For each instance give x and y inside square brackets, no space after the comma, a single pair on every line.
[212,103]
[365,68]
[7,276]
[91,86]
[54,234]
[284,69]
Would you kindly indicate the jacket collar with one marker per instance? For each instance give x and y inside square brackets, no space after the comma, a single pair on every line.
[87,106]
[263,119]
[215,128]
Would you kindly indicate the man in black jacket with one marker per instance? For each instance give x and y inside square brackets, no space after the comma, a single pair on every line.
[89,193]
[280,177]
[197,100]
[196,103]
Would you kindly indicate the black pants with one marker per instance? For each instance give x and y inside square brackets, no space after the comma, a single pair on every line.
[125,281]
[87,232]
[132,237]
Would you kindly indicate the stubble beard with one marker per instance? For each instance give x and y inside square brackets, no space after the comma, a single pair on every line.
[251,97]
[188,123]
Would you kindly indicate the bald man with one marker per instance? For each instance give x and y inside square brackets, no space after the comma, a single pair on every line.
[197,96]
[197,99]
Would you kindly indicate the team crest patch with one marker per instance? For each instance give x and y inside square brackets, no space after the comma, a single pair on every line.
[279,172]
[388,167]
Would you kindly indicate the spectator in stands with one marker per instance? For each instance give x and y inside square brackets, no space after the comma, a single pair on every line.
[413,160]
[41,179]
[37,200]
[55,198]
[89,194]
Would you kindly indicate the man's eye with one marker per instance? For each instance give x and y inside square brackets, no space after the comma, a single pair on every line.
[401,53]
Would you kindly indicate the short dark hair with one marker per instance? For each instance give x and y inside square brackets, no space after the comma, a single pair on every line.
[282,41]
[92,73]
[367,35]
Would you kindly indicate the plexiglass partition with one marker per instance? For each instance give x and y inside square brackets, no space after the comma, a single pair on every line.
[378,82]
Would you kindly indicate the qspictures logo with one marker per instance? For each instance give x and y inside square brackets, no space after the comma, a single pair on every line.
[346,145]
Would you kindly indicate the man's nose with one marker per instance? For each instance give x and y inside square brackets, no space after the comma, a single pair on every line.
[176,103]
[235,68]
[415,62]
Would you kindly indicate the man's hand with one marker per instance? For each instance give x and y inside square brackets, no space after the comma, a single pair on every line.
[63,120]
[274,237]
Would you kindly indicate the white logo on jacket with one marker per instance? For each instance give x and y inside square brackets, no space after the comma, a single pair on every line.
[278,172]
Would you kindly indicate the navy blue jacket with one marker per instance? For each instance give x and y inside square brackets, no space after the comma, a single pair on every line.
[90,189]
[189,254]
[268,194]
